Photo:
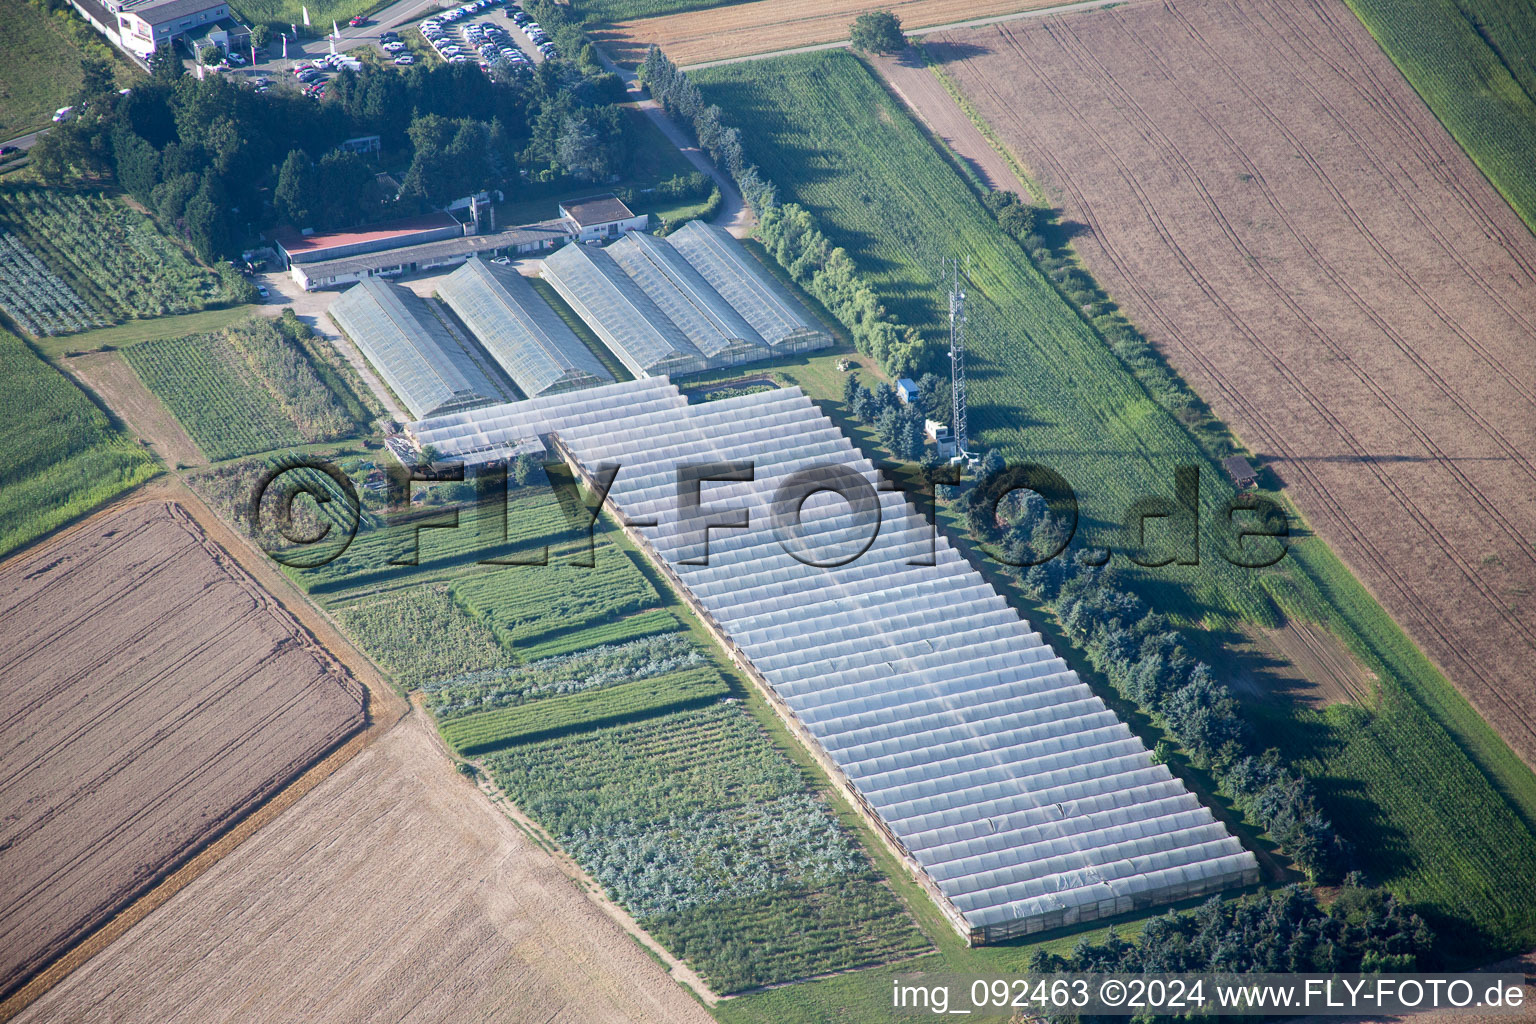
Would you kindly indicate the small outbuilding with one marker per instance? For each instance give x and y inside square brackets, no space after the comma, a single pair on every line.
[1240,470]
[906,390]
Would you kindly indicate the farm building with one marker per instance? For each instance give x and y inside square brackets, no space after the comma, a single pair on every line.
[520,330]
[1014,795]
[712,324]
[599,218]
[420,360]
[620,313]
[776,315]
[446,252]
[300,247]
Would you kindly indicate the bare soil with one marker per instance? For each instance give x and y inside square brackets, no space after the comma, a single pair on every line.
[766,26]
[1275,207]
[915,84]
[155,695]
[113,380]
[393,891]
[1302,662]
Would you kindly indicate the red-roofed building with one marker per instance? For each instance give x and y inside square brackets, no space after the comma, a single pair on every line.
[296,247]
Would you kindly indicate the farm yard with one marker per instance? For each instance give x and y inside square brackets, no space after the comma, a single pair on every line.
[1045,386]
[63,456]
[397,846]
[764,26]
[244,389]
[724,857]
[1371,339]
[112,257]
[157,696]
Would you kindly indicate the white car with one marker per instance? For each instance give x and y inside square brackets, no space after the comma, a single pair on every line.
[393,47]
[235,59]
[404,59]
[63,114]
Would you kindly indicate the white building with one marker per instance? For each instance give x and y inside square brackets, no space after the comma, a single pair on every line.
[600,218]
[142,26]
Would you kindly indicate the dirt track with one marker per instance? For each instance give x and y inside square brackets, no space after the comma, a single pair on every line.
[394,891]
[154,694]
[1278,210]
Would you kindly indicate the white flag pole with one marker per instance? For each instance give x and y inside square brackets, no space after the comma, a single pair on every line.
[306,16]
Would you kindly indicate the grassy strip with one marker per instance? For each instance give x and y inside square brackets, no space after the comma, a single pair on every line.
[550,717]
[62,455]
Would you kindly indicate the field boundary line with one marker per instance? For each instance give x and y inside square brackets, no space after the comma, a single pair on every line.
[381,715]
[585,883]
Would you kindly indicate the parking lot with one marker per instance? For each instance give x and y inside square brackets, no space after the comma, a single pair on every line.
[468,35]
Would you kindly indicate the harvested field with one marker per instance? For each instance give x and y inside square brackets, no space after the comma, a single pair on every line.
[1300,661]
[766,26]
[155,695]
[1276,208]
[394,891]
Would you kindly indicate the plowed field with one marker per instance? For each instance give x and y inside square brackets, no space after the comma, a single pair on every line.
[1276,208]
[153,694]
[765,26]
[393,892]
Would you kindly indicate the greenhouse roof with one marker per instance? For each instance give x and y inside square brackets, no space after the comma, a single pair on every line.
[1023,799]
[519,329]
[420,360]
[620,312]
[712,324]
[766,304]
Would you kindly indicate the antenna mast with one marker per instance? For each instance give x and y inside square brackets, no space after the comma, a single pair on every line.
[957,356]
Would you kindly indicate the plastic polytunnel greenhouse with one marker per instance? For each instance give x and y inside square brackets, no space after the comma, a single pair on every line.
[520,330]
[714,327]
[1020,798]
[620,313]
[777,316]
[415,353]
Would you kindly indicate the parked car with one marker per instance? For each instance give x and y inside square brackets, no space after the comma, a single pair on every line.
[393,47]
[63,114]
[405,59]
[8,150]
[261,290]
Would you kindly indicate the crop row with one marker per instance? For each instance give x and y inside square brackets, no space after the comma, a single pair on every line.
[241,390]
[728,858]
[596,665]
[36,298]
[420,634]
[115,252]
[654,622]
[478,734]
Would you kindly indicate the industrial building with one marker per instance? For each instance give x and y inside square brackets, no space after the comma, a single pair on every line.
[520,330]
[315,247]
[619,311]
[778,317]
[1012,793]
[139,27]
[414,257]
[413,351]
[711,323]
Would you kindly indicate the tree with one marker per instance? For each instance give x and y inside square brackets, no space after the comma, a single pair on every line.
[165,65]
[851,388]
[261,35]
[878,32]
[98,78]
[296,194]
[579,150]
[210,54]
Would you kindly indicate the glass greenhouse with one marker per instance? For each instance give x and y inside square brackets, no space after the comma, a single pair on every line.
[420,360]
[519,329]
[620,313]
[1019,797]
[778,317]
